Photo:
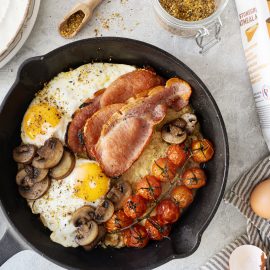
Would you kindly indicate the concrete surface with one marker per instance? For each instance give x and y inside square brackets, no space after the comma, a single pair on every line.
[223,70]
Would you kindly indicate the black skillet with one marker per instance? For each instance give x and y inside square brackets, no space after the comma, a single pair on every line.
[28,230]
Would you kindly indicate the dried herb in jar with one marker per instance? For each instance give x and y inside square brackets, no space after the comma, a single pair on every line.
[189,10]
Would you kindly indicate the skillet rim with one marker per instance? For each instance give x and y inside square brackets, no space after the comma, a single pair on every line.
[140,44]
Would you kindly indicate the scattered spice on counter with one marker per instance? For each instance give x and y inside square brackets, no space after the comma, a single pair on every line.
[116,15]
[106,24]
[113,21]
[189,10]
[96,32]
[72,24]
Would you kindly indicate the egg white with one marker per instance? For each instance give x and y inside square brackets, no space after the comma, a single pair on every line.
[59,203]
[68,90]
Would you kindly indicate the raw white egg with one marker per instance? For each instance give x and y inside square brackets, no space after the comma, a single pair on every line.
[51,110]
[247,257]
[86,185]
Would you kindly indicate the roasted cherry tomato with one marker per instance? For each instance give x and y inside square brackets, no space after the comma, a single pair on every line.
[155,230]
[202,150]
[177,154]
[163,169]
[135,206]
[167,212]
[194,178]
[119,220]
[182,195]
[136,236]
[149,188]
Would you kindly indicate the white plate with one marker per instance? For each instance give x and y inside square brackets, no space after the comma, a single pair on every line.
[23,34]
[12,19]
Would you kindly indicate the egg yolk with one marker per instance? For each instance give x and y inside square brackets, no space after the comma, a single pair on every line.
[93,183]
[39,117]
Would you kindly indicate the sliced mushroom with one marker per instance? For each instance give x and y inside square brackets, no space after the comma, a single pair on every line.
[174,132]
[36,191]
[191,120]
[104,211]
[24,153]
[181,123]
[83,215]
[49,155]
[87,233]
[35,173]
[23,180]
[29,175]
[64,167]
[100,237]
[119,193]
[21,175]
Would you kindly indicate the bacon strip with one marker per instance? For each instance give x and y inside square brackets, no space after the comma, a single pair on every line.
[129,85]
[94,124]
[129,130]
[123,88]
[74,135]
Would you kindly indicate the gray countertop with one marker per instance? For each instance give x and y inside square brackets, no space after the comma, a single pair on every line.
[223,70]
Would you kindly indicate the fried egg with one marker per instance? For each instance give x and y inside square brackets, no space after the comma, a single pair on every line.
[86,185]
[51,110]
[48,116]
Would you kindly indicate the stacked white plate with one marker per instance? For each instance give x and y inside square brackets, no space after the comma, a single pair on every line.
[17,18]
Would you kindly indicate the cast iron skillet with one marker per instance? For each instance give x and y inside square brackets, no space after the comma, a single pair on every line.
[186,234]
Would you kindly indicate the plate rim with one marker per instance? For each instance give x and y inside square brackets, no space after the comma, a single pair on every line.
[24,32]
[13,39]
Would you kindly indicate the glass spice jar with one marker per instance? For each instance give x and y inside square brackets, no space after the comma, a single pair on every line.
[206,31]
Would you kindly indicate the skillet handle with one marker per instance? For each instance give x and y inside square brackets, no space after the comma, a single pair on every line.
[9,246]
